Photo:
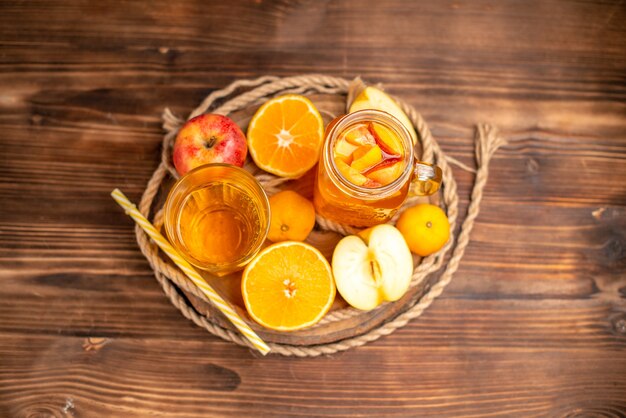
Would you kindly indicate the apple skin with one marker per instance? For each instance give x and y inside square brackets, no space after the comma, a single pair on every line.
[206,139]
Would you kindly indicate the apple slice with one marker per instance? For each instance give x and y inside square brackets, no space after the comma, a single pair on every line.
[359,135]
[350,173]
[344,150]
[361,151]
[371,184]
[372,267]
[386,175]
[385,139]
[367,160]
[373,98]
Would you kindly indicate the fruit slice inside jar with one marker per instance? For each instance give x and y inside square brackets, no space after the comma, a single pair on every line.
[369,154]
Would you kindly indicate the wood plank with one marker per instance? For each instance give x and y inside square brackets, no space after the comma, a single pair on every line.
[199,377]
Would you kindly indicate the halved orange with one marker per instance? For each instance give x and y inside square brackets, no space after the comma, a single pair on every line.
[285,136]
[288,286]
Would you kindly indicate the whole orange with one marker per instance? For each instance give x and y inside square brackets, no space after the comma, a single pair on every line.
[425,228]
[292,217]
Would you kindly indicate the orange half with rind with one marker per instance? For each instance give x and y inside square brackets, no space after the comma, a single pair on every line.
[285,136]
[288,286]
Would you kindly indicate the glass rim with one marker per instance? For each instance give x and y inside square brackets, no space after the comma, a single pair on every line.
[390,122]
[173,232]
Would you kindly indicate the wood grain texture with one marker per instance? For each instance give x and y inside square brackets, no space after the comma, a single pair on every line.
[534,322]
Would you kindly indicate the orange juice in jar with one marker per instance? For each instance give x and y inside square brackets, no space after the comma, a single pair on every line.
[217,217]
[367,168]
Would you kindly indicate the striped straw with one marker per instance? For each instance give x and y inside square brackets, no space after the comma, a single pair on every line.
[195,277]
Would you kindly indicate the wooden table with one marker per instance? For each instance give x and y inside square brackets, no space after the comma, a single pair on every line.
[534,322]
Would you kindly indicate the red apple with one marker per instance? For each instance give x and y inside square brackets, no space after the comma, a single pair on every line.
[209,139]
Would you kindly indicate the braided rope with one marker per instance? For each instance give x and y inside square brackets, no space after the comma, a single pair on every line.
[171,278]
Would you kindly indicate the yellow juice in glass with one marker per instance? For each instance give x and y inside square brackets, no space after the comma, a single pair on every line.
[217,217]
[367,168]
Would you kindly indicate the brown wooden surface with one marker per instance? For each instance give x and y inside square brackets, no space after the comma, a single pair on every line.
[534,322]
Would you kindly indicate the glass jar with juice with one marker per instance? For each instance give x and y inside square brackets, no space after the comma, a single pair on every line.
[366,170]
[217,217]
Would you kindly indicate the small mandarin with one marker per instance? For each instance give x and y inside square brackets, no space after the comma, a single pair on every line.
[425,228]
[292,217]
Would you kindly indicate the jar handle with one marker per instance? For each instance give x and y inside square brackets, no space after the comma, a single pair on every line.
[426,179]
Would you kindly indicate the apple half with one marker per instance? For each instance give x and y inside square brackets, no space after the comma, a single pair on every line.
[372,267]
